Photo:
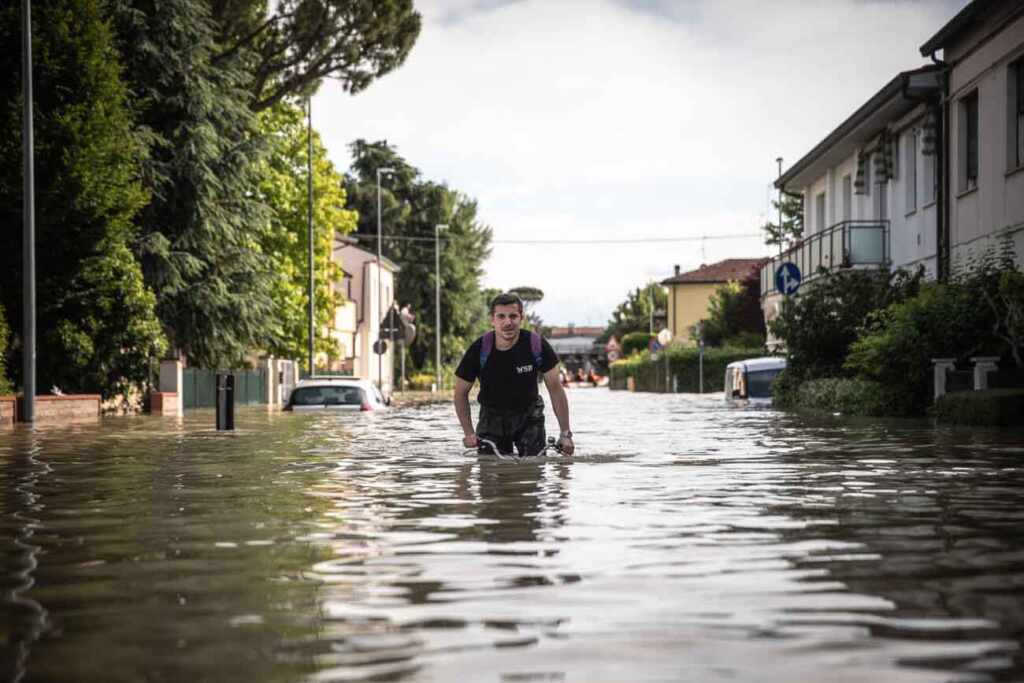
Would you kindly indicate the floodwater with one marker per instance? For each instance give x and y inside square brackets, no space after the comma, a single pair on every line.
[686,542]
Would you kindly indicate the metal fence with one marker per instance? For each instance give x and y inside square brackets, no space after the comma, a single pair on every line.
[200,387]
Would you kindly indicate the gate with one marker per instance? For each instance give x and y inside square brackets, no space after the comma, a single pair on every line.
[200,387]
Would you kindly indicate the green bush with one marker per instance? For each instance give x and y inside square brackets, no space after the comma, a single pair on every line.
[683,369]
[5,385]
[635,341]
[993,407]
[840,395]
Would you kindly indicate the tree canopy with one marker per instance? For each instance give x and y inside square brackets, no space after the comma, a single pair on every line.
[95,316]
[289,46]
[411,209]
[792,228]
[634,314]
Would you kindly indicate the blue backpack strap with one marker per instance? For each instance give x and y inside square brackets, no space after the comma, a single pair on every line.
[536,350]
[486,346]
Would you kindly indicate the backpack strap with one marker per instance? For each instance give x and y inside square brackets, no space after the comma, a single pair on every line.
[536,350]
[486,346]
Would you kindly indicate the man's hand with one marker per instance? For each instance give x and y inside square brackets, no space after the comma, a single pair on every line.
[470,441]
[566,445]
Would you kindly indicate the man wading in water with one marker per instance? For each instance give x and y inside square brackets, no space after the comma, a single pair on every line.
[507,362]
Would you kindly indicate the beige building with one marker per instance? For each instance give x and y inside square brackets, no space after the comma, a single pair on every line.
[357,322]
[689,293]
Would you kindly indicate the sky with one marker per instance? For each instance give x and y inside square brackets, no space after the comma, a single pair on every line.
[594,120]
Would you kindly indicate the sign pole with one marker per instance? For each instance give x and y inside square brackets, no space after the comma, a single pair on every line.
[28,332]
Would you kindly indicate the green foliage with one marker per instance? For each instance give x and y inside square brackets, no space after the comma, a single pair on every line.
[634,314]
[792,228]
[992,407]
[683,372]
[95,317]
[412,207]
[202,229]
[5,333]
[283,188]
[840,395]
[635,341]
[822,321]
[289,46]
[735,317]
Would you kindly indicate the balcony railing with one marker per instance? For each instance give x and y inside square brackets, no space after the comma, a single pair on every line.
[843,245]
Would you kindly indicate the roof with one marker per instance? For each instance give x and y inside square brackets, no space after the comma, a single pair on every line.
[974,13]
[763,363]
[348,243]
[574,331]
[729,270]
[895,99]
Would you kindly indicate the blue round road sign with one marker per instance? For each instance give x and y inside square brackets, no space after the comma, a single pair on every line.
[787,278]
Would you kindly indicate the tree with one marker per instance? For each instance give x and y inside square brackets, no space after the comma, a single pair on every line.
[291,48]
[530,296]
[5,333]
[283,188]
[411,208]
[792,222]
[97,327]
[202,229]
[735,313]
[634,314]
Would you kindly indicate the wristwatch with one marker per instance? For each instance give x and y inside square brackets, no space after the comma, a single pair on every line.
[567,434]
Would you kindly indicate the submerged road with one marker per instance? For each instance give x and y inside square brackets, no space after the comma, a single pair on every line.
[686,542]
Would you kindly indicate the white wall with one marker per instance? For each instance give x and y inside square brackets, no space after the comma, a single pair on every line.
[996,205]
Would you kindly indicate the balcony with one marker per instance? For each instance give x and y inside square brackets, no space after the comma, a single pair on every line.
[849,244]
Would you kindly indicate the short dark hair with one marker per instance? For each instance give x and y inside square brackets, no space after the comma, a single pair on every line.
[506,299]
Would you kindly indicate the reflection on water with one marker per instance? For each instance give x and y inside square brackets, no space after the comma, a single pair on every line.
[689,542]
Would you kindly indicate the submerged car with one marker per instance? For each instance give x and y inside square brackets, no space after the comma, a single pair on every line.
[749,382]
[336,393]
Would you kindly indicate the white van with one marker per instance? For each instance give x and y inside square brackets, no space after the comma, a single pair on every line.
[749,382]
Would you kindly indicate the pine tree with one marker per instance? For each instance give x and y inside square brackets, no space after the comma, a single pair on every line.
[96,326]
[201,231]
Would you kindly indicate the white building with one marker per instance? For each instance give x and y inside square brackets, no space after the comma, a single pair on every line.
[869,189]
[357,326]
[983,50]
[930,170]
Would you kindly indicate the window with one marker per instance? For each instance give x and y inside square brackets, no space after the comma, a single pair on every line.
[1015,102]
[929,177]
[847,197]
[819,212]
[911,165]
[968,143]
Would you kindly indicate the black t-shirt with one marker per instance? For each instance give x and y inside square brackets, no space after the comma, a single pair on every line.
[509,379]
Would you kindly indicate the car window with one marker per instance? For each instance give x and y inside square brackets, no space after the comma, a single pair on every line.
[313,396]
[759,384]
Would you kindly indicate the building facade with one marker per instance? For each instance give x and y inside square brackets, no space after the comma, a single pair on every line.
[370,293]
[689,294]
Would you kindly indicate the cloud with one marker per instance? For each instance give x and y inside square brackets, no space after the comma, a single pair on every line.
[596,119]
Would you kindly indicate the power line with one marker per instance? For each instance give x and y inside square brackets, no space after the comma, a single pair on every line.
[631,240]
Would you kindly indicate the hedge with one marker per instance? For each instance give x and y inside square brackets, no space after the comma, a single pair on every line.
[683,368]
[839,395]
[991,407]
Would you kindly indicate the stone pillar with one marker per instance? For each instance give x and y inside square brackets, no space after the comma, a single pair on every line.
[982,366]
[940,366]
[171,381]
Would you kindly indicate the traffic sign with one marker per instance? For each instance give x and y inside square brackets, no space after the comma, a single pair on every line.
[787,278]
[380,347]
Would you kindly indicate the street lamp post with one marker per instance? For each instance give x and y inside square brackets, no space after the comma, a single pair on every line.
[309,211]
[778,160]
[437,300]
[29,225]
[380,290]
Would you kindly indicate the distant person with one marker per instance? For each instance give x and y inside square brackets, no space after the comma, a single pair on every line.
[508,361]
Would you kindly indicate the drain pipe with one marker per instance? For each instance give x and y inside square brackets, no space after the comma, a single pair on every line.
[942,257]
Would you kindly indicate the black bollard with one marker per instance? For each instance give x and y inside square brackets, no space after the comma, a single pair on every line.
[225,402]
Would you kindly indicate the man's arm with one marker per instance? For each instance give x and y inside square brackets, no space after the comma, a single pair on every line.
[559,404]
[462,387]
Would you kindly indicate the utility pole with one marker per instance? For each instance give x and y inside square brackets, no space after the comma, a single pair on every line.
[28,259]
[309,211]
[778,160]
